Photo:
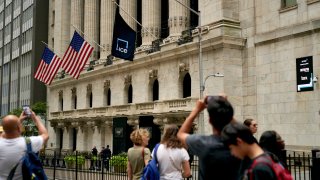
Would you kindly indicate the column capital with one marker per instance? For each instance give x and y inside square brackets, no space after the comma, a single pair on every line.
[133,121]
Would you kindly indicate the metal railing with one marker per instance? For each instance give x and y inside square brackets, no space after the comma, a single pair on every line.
[302,165]
[64,167]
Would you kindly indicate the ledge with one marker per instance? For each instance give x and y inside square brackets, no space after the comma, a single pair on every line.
[289,8]
[312,1]
[294,30]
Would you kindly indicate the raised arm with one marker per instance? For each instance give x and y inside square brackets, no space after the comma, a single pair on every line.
[42,130]
[187,125]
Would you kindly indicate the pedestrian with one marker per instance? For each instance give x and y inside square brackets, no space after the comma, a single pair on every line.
[242,144]
[106,157]
[13,145]
[139,154]
[94,151]
[272,142]
[173,158]
[251,124]
[215,159]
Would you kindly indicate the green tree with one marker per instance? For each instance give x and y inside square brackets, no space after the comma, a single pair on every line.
[40,109]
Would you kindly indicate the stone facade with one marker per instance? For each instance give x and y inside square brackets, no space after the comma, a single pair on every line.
[254,44]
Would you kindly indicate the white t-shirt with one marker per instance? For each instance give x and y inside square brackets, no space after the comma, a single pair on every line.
[170,162]
[11,152]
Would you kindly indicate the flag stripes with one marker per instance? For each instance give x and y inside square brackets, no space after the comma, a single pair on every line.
[48,67]
[76,55]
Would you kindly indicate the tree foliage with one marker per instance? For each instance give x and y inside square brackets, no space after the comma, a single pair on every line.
[29,128]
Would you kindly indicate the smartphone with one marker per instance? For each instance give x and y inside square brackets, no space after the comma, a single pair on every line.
[26,110]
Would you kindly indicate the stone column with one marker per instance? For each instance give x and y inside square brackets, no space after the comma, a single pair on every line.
[179,17]
[76,16]
[81,137]
[66,134]
[106,133]
[151,21]
[159,120]
[108,9]
[62,26]
[91,24]
[130,6]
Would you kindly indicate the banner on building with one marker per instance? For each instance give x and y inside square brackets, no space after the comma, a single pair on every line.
[124,39]
[304,74]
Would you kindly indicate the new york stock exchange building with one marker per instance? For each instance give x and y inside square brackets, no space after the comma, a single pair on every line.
[266,53]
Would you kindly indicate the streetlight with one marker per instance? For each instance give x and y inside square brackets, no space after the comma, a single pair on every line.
[210,75]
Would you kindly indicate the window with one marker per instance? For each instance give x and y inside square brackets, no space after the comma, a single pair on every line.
[108,97]
[130,94]
[187,86]
[90,100]
[155,90]
[74,100]
[288,3]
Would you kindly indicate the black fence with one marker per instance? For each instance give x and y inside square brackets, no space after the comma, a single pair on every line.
[302,165]
[82,167]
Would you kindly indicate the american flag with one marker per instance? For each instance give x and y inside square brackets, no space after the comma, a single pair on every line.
[48,67]
[76,55]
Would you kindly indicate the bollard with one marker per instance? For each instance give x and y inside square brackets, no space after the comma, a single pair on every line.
[315,169]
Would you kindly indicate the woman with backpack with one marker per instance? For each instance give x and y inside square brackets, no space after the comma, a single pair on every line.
[138,155]
[173,159]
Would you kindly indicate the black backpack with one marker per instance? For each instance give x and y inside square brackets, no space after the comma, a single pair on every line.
[31,166]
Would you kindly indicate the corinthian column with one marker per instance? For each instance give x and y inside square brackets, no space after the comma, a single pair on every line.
[62,26]
[76,16]
[106,27]
[130,6]
[151,20]
[178,18]
[91,20]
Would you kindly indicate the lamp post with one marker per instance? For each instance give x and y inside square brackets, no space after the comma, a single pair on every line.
[202,83]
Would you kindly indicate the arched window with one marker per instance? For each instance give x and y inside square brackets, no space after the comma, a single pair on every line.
[61,104]
[187,86]
[109,97]
[74,100]
[90,100]
[130,94]
[155,90]
[60,101]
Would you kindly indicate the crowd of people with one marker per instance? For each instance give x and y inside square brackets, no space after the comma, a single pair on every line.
[231,152]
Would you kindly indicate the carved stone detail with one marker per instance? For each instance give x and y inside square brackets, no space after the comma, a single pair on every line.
[106,84]
[60,94]
[127,80]
[153,74]
[133,121]
[183,67]
[89,88]
[74,91]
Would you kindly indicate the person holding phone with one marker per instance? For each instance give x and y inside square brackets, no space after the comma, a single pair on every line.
[215,159]
[13,145]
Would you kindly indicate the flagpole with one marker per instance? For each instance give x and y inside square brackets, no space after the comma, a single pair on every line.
[134,19]
[49,47]
[88,37]
[198,13]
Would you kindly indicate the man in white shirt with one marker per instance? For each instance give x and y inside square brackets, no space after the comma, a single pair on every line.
[13,146]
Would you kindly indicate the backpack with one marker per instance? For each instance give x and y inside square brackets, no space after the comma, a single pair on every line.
[31,166]
[151,171]
[278,169]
